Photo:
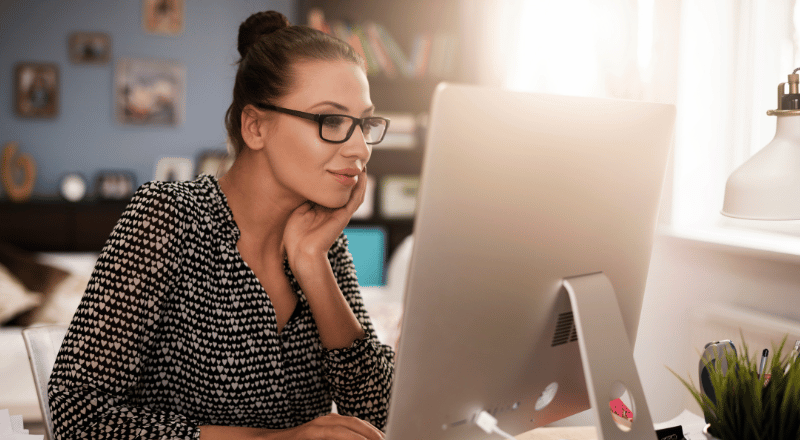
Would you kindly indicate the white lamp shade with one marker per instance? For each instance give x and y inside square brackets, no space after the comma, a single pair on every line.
[767,187]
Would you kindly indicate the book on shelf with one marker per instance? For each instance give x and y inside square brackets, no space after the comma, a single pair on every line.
[402,132]
[373,67]
[442,56]
[432,54]
[391,47]
[420,54]
[316,20]
[379,50]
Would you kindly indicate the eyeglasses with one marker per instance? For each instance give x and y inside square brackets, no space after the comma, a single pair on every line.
[338,128]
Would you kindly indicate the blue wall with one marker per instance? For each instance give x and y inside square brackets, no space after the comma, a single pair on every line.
[85,136]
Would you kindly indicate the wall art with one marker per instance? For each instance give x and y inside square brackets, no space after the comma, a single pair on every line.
[149,92]
[89,48]
[36,90]
[163,17]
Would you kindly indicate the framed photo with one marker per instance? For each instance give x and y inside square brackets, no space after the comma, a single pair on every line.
[163,17]
[149,92]
[214,162]
[115,185]
[174,169]
[399,196]
[89,48]
[36,90]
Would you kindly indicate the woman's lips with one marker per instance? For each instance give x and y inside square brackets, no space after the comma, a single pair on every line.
[346,177]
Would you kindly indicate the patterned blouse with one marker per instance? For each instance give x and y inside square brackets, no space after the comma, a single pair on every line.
[175,331]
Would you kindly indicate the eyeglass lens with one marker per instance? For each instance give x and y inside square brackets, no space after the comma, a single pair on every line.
[337,128]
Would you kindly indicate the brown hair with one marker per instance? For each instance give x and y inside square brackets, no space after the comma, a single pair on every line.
[269,45]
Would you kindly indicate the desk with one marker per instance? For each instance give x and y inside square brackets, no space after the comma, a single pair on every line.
[692,429]
[566,432]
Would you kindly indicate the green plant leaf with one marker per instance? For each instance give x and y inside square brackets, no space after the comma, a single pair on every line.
[748,407]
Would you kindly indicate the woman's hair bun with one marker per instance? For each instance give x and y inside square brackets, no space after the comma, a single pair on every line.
[258,25]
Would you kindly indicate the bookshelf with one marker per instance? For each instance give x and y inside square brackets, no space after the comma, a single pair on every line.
[428,36]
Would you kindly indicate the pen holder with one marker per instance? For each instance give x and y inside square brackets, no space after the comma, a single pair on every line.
[748,406]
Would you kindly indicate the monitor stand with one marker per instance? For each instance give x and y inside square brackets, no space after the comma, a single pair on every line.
[607,357]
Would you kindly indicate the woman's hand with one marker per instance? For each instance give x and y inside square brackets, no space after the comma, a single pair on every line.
[312,229]
[309,234]
[334,427]
[328,427]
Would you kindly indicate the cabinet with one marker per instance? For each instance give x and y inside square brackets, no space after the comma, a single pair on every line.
[57,226]
[412,25]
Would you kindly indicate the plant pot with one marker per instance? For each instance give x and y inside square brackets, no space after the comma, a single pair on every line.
[709,436]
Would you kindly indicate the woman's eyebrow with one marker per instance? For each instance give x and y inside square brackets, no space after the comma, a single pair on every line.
[370,110]
[333,104]
[344,108]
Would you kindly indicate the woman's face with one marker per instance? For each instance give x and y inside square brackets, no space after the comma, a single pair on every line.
[309,167]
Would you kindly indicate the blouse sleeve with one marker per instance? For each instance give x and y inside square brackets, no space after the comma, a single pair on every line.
[360,375]
[108,344]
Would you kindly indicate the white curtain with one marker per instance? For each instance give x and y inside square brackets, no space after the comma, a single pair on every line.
[719,61]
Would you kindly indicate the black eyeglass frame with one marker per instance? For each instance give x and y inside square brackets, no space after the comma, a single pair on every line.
[320,119]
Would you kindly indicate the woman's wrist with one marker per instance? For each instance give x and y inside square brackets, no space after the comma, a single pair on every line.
[337,324]
[215,432]
[308,265]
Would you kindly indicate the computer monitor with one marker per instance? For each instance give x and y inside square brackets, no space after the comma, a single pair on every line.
[532,239]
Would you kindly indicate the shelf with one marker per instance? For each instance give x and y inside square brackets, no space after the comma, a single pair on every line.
[402,94]
[58,226]
[405,22]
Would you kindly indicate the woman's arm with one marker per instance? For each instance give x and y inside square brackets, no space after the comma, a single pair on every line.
[359,368]
[360,375]
[329,427]
[337,324]
[309,235]
[102,356]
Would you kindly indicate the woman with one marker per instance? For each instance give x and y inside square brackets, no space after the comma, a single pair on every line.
[230,308]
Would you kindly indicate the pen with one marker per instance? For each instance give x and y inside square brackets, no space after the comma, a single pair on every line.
[793,356]
[764,355]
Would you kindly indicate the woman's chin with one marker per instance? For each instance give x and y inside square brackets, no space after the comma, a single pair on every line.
[330,203]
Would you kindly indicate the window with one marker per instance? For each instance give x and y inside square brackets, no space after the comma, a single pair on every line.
[718,61]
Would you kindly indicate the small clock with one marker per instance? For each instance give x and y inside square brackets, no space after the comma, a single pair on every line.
[73,187]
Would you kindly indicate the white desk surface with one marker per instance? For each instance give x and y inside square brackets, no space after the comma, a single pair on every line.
[567,432]
[692,429]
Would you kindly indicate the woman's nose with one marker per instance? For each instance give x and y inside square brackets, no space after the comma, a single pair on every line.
[357,146]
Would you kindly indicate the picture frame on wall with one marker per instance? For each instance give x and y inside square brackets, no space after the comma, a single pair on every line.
[149,92]
[115,184]
[163,17]
[89,48]
[214,162]
[36,90]
[174,169]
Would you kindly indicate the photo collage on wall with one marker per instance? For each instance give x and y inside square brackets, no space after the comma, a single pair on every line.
[146,92]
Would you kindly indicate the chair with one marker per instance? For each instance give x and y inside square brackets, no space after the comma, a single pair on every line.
[42,344]
[397,272]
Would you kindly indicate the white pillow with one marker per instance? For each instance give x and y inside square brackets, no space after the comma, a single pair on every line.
[59,306]
[15,298]
[61,303]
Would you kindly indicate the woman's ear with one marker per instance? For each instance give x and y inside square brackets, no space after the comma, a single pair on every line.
[254,131]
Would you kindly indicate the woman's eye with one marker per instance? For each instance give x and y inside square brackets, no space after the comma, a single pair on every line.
[334,121]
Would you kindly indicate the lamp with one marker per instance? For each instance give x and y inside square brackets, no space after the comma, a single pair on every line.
[767,186]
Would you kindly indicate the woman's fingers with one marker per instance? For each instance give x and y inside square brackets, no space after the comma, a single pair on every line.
[357,197]
[337,427]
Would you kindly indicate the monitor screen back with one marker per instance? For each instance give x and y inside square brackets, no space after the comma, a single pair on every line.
[518,191]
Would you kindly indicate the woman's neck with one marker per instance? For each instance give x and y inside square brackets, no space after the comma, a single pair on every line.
[259,208]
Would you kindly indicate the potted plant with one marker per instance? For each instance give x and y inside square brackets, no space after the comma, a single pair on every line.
[752,406]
